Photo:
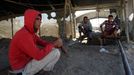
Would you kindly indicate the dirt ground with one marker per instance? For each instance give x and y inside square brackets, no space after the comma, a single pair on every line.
[83,59]
[130,54]
[87,60]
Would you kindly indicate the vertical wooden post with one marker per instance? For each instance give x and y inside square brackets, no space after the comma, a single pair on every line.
[133,18]
[126,22]
[70,13]
[12,29]
[59,24]
[133,5]
[74,23]
[72,19]
[63,33]
[122,16]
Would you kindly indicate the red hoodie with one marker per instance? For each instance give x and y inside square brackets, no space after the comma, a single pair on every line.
[23,47]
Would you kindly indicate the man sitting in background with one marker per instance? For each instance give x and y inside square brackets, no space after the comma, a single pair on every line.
[110,28]
[86,28]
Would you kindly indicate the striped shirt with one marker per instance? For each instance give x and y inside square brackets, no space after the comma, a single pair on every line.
[109,25]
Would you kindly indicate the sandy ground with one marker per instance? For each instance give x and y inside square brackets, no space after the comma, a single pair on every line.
[130,54]
[82,60]
[87,60]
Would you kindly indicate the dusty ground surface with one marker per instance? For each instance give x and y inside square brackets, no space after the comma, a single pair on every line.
[82,60]
[87,60]
[130,54]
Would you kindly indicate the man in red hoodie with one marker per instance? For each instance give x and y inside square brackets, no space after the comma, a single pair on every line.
[24,55]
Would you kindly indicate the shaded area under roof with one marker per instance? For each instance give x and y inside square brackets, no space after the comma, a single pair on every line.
[17,7]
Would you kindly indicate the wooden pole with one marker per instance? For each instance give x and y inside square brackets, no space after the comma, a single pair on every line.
[73,20]
[74,23]
[63,33]
[12,29]
[126,22]
[71,26]
[59,26]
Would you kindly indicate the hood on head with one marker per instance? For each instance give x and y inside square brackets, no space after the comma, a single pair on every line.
[29,19]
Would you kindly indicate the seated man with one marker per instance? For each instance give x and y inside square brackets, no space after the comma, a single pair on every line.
[25,57]
[110,28]
[86,28]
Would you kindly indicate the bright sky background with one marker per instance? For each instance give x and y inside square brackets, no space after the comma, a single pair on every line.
[97,21]
[131,16]
[79,13]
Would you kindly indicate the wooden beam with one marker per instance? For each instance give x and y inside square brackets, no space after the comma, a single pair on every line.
[100,6]
[28,4]
[53,8]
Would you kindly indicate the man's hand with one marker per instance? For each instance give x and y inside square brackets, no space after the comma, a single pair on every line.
[59,44]
[64,49]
